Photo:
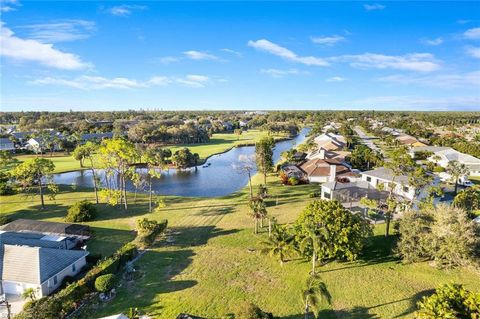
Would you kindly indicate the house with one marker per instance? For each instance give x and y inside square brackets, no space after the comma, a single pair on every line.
[22,137]
[6,144]
[324,170]
[409,141]
[36,240]
[351,192]
[77,232]
[443,155]
[95,137]
[330,142]
[293,171]
[242,124]
[43,269]
[40,144]
[321,153]
[299,156]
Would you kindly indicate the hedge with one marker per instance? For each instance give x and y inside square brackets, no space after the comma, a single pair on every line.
[66,300]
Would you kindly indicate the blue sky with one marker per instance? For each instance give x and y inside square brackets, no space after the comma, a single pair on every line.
[240,55]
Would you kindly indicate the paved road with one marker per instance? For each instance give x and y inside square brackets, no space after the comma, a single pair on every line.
[367,140]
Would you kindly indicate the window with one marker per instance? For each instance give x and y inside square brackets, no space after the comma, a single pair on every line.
[406,189]
[326,195]
[74,268]
[369,179]
[55,280]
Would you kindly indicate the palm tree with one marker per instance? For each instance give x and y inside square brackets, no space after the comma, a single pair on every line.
[258,210]
[315,291]
[314,244]
[456,170]
[279,244]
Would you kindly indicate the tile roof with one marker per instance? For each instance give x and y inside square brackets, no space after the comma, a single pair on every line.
[321,167]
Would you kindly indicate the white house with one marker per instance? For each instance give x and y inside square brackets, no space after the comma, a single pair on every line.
[443,155]
[330,142]
[43,269]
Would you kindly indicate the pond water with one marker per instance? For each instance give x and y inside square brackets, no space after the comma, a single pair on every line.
[218,179]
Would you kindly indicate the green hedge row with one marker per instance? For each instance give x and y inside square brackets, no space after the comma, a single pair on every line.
[66,300]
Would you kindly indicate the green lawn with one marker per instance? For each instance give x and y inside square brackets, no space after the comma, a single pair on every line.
[214,264]
[63,163]
[222,142]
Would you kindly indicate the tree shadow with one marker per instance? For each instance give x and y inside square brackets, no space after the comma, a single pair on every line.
[37,213]
[194,236]
[354,313]
[413,301]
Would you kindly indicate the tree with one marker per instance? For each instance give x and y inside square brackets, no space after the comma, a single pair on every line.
[449,301]
[33,172]
[30,294]
[468,199]
[342,233]
[117,155]
[105,283]
[238,132]
[264,156]
[363,158]
[87,151]
[418,179]
[279,244]
[456,170]
[246,165]
[258,211]
[443,234]
[184,158]
[314,292]
[156,160]
[82,211]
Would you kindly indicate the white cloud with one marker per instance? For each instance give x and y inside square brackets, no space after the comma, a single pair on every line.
[472,34]
[335,79]
[275,49]
[372,7]
[473,52]
[34,51]
[329,40]
[169,59]
[277,73]
[60,31]
[455,103]
[125,10]
[198,55]
[86,82]
[434,42]
[441,80]
[9,5]
[420,62]
[232,52]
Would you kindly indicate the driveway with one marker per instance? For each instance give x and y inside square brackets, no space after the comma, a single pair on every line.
[16,305]
[367,140]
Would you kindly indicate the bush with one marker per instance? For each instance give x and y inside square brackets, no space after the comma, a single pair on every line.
[105,283]
[252,311]
[439,169]
[148,230]
[5,219]
[82,211]
[5,189]
[315,194]
[293,181]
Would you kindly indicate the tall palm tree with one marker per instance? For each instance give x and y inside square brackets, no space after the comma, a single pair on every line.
[258,211]
[314,292]
[314,243]
[279,244]
[456,170]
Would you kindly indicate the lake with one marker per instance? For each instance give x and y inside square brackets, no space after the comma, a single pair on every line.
[218,179]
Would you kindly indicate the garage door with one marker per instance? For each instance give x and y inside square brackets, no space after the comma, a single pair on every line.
[12,288]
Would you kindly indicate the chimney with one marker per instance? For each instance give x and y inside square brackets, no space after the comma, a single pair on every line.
[322,153]
[333,172]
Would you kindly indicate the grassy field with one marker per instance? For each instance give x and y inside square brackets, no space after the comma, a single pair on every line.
[213,263]
[218,143]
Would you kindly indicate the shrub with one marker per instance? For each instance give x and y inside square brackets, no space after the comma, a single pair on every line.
[293,181]
[81,211]
[105,283]
[252,311]
[5,219]
[315,194]
[5,189]
[439,169]
[148,230]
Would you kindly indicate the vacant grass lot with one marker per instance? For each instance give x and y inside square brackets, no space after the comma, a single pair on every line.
[63,163]
[213,263]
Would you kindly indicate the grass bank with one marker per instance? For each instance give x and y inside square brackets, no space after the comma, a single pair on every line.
[213,262]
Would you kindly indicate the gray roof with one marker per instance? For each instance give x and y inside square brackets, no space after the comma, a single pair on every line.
[386,174]
[94,136]
[432,149]
[31,239]
[37,226]
[35,264]
[334,185]
[4,140]
[21,135]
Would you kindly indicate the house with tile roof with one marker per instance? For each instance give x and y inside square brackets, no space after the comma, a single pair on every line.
[324,170]
[43,269]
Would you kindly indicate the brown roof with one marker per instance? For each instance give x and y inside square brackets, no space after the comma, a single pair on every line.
[407,139]
[321,167]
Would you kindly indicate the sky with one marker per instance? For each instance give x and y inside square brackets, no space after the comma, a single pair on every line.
[89,55]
